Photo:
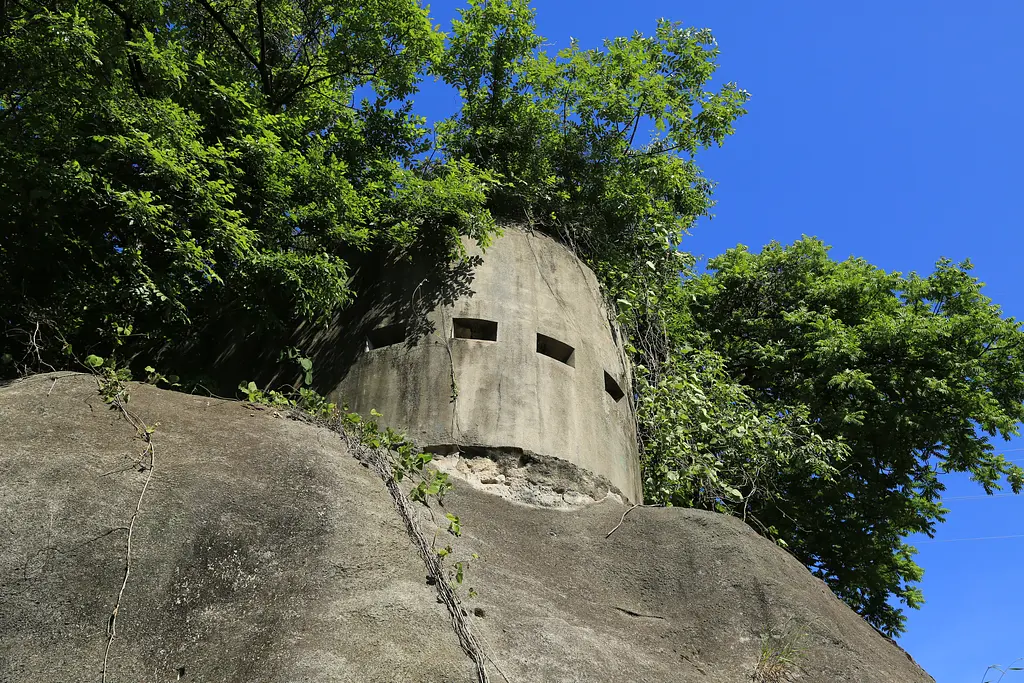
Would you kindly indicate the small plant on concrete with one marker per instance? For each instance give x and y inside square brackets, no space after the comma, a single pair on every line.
[304,362]
[457,570]
[269,397]
[111,378]
[156,378]
[779,656]
[406,460]
[112,384]
[394,458]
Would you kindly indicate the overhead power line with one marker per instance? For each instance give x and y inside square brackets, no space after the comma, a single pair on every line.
[976,538]
[982,496]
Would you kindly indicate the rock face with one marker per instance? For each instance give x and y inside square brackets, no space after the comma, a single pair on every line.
[263,551]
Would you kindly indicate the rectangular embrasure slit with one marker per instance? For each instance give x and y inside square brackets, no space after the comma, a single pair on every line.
[474,328]
[560,351]
[388,335]
[613,388]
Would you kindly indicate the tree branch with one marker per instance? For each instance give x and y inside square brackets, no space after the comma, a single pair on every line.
[222,22]
[636,124]
[304,85]
[263,67]
[991,346]
[134,66]
[660,150]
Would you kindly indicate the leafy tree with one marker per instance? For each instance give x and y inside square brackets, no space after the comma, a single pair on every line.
[915,375]
[706,443]
[165,161]
[594,146]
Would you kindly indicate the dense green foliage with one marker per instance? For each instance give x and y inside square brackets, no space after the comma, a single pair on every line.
[571,134]
[166,163]
[161,160]
[915,375]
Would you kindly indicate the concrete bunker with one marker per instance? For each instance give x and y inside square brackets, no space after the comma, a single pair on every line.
[522,358]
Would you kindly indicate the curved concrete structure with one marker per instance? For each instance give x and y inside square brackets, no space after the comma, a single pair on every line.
[522,358]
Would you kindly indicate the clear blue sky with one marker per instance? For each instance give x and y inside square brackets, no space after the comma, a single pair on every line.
[892,131]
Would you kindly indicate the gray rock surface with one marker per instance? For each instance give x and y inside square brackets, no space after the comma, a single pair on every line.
[265,552]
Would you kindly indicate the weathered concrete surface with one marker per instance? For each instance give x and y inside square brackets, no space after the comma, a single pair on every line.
[264,552]
[506,393]
[528,478]
[671,595]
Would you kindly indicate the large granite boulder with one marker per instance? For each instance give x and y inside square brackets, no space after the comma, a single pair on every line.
[263,551]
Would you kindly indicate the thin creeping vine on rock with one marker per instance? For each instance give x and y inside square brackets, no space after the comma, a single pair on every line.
[110,384]
[378,459]
[393,458]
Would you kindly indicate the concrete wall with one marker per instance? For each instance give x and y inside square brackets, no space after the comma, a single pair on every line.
[509,394]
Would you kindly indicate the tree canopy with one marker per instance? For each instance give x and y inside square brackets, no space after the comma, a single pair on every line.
[914,375]
[163,162]
[162,159]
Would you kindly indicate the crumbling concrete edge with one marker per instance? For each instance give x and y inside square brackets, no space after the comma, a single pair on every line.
[524,477]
